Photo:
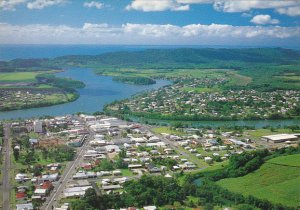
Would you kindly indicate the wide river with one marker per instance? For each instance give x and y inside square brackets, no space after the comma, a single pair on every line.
[99,90]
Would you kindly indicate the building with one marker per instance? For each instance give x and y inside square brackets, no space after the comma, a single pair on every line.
[75,191]
[278,138]
[26,206]
[38,126]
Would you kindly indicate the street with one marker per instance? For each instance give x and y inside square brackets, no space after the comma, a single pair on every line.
[67,175]
[6,188]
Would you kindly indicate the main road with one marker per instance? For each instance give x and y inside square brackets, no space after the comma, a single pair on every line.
[6,188]
[70,169]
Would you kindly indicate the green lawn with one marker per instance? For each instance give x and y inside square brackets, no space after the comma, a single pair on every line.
[276,183]
[126,172]
[167,130]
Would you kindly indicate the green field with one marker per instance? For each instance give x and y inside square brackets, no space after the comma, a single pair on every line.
[278,180]
[257,134]
[167,130]
[290,160]
[18,77]
[200,90]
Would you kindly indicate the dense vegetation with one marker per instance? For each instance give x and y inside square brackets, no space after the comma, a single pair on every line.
[186,58]
[135,80]
[148,190]
[1,130]
[63,83]
[161,191]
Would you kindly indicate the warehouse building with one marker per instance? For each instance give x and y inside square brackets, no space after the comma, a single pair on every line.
[278,138]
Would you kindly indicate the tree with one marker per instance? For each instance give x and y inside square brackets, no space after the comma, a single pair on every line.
[37,170]
[16,154]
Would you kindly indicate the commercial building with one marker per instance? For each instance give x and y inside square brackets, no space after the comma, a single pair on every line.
[278,138]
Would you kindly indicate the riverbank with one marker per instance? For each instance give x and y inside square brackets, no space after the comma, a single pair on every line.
[214,124]
[35,100]
[99,91]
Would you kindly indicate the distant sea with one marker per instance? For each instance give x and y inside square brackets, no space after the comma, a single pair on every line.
[9,52]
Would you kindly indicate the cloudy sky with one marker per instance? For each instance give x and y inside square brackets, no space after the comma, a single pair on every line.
[153,22]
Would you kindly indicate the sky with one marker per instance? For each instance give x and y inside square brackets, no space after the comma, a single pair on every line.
[151,22]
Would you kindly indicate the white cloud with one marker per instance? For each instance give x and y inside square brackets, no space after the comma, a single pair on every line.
[129,33]
[263,20]
[291,11]
[95,4]
[242,6]
[41,4]
[246,15]
[10,4]
[156,5]
[288,7]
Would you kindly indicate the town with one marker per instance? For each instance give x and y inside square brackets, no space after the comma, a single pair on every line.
[207,99]
[57,159]
[22,98]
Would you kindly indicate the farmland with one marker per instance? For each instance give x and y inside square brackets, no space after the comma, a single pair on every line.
[18,77]
[277,181]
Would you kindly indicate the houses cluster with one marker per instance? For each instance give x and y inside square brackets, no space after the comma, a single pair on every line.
[45,134]
[194,98]
[36,188]
[141,151]
[10,98]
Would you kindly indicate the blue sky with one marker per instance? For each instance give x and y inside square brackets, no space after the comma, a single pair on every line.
[195,22]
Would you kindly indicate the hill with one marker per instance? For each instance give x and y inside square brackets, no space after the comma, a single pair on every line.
[277,180]
[267,68]
[184,58]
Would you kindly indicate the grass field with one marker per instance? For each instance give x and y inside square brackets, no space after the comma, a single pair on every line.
[257,134]
[167,130]
[18,77]
[290,160]
[201,90]
[274,182]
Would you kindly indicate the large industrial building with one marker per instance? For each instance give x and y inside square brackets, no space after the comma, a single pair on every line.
[278,138]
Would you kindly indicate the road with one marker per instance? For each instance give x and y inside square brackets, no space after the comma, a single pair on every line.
[6,167]
[67,175]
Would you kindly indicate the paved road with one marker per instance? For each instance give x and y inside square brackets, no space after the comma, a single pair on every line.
[67,175]
[6,168]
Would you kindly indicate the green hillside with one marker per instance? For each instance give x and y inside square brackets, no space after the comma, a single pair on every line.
[264,68]
[278,180]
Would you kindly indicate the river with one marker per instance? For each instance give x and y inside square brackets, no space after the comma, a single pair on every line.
[214,124]
[99,90]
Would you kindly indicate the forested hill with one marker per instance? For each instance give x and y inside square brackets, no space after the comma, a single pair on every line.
[166,58]
[170,58]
